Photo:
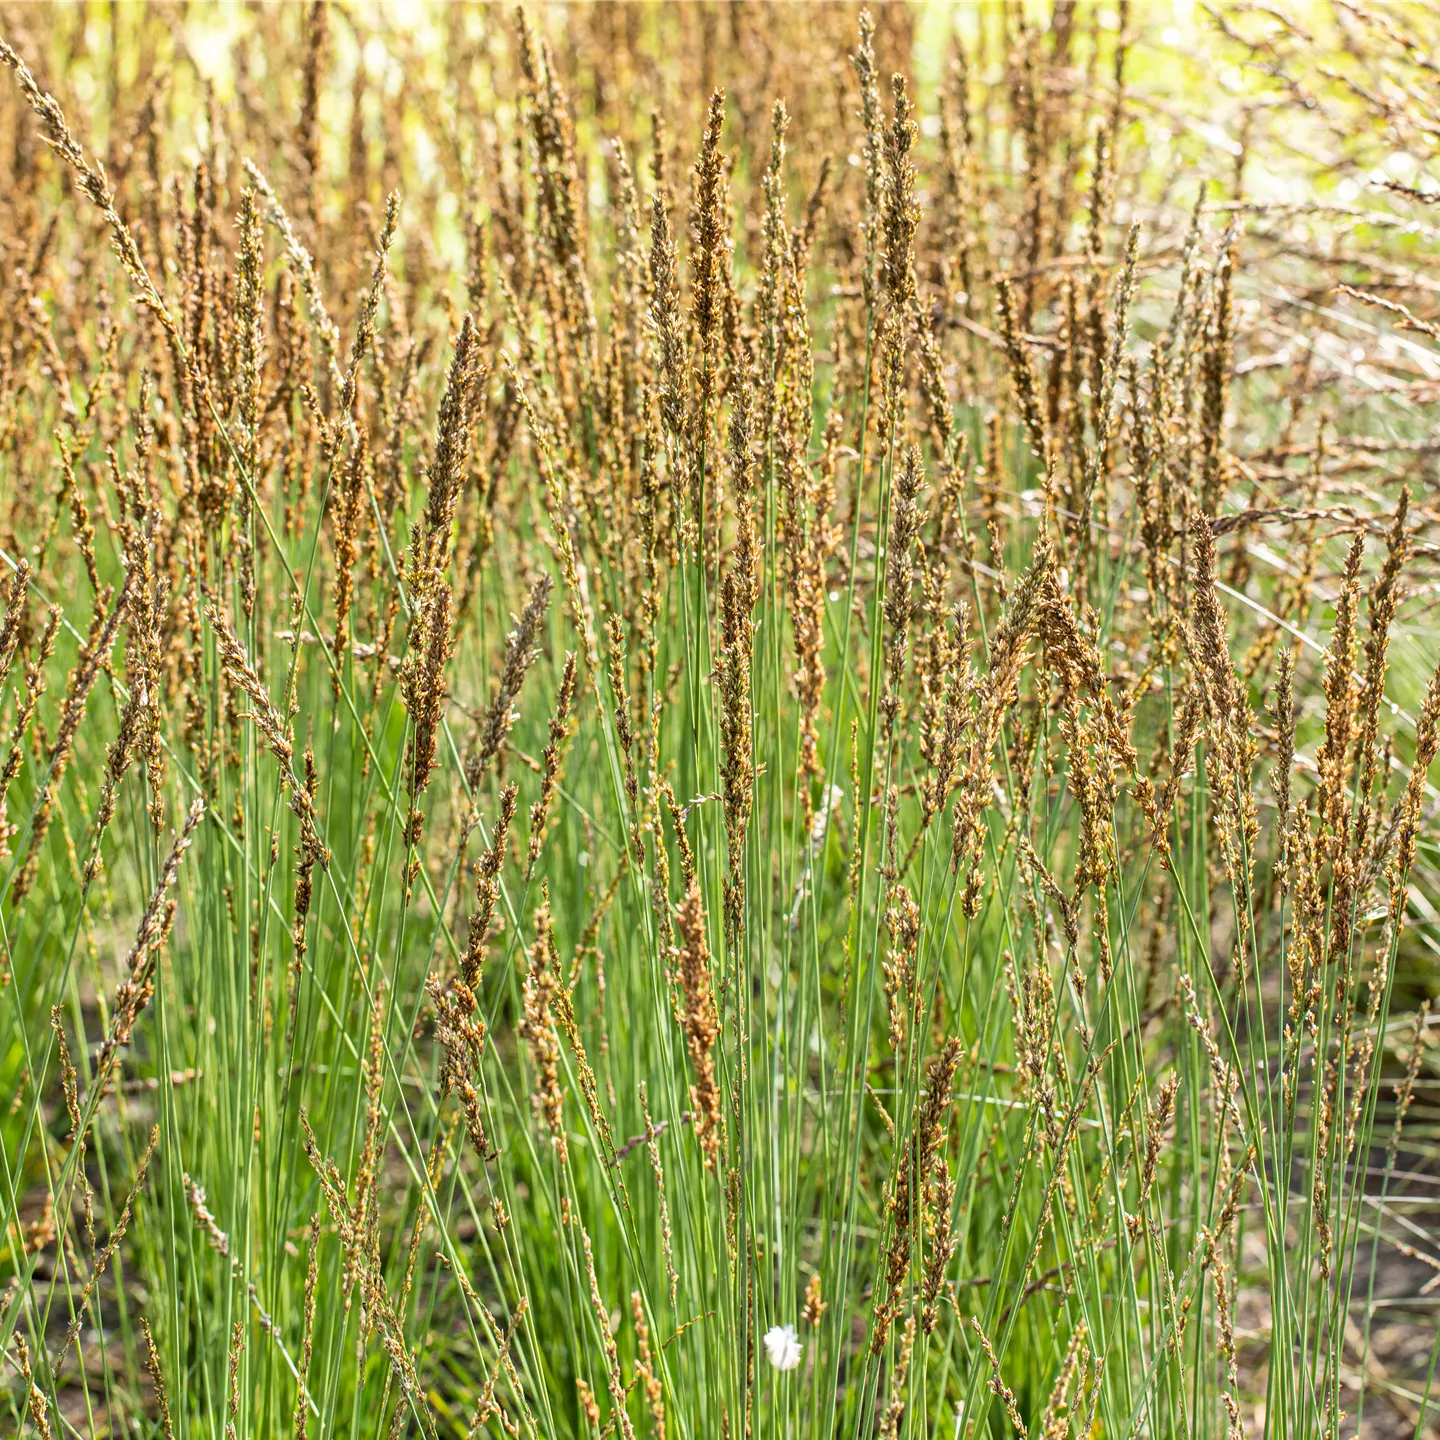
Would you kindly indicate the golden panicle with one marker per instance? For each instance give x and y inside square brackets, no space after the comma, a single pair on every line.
[1161,1111]
[1096,460]
[272,724]
[951,714]
[35,1401]
[372,1077]
[460,1032]
[1216,379]
[307,1334]
[312,78]
[996,1382]
[701,1023]
[652,1134]
[775,231]
[122,1224]
[369,307]
[588,1407]
[914,1165]
[200,1209]
[452,434]
[92,183]
[1055,1423]
[900,574]
[358,1230]
[670,342]
[1022,370]
[1383,601]
[1008,648]
[561,198]
[1284,708]
[134,991]
[307,853]
[250,367]
[895,1410]
[815,1303]
[899,212]
[863,61]
[943,1243]
[537,1029]
[94,655]
[422,685]
[521,652]
[1427,744]
[349,522]
[707,227]
[645,1368]
[902,923]
[1335,753]
[678,814]
[1405,1087]
[620,1416]
[11,625]
[84,531]
[157,1379]
[551,762]
[487,889]
[1227,711]
[232,1381]
[738,593]
[488,1407]
[29,702]
[70,1086]
[304,267]
[618,666]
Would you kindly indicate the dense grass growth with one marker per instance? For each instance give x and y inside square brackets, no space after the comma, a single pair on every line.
[715,721]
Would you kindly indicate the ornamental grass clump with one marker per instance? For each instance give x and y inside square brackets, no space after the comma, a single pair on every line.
[717,720]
